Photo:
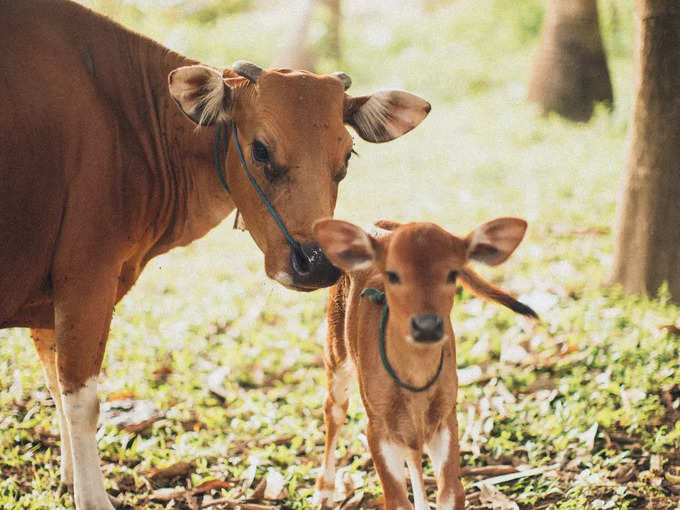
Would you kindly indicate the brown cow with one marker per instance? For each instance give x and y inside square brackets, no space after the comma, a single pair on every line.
[100,171]
[404,351]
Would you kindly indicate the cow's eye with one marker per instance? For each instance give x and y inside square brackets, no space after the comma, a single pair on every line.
[392,277]
[260,152]
[340,174]
[451,278]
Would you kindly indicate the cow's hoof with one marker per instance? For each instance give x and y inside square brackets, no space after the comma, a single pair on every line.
[64,488]
[116,502]
[323,500]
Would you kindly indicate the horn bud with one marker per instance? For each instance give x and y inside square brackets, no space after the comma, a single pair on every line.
[344,78]
[247,70]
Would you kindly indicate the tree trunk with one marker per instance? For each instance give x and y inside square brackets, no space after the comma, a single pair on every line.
[570,70]
[648,224]
[297,53]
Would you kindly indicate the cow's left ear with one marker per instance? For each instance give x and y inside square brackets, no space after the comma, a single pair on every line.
[385,115]
[201,93]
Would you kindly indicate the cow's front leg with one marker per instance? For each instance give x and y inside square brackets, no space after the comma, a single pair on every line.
[82,312]
[444,452]
[388,459]
[44,342]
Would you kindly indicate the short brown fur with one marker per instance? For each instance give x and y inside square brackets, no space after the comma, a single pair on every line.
[422,255]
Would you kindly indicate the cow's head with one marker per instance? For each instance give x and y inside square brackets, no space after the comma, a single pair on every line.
[291,126]
[420,264]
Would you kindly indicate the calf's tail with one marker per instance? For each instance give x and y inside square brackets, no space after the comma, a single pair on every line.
[480,287]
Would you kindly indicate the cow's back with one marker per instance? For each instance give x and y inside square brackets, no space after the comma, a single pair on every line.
[51,114]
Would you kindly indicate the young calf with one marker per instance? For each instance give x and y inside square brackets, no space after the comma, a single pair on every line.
[402,345]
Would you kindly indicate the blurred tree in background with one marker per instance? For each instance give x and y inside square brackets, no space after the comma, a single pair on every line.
[303,51]
[648,236]
[570,72]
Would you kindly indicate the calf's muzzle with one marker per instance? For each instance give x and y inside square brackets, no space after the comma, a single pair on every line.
[311,269]
[426,327]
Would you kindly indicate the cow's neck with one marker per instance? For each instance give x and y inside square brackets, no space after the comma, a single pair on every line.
[188,198]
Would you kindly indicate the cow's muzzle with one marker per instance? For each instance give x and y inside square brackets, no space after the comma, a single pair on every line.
[311,269]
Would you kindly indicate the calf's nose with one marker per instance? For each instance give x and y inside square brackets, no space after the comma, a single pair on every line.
[426,327]
[310,267]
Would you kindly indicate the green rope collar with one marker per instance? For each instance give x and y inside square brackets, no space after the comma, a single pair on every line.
[378,297]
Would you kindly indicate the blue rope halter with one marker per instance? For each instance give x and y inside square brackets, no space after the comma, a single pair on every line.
[378,297]
[294,245]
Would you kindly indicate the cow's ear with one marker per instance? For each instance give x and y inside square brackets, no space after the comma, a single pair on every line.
[201,93]
[347,246]
[385,115]
[494,241]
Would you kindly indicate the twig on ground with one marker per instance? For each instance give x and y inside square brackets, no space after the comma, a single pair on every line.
[516,476]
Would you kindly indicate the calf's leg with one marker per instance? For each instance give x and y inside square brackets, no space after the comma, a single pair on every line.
[444,452]
[335,411]
[415,471]
[44,342]
[388,459]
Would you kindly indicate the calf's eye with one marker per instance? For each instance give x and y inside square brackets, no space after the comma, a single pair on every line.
[451,278]
[392,277]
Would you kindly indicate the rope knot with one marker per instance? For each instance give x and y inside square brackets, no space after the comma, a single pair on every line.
[376,296]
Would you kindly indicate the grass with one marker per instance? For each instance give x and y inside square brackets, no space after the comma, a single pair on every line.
[593,388]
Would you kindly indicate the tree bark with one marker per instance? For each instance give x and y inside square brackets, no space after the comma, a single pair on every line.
[648,218]
[570,70]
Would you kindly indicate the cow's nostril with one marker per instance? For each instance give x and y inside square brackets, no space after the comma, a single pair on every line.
[310,267]
[427,327]
[300,262]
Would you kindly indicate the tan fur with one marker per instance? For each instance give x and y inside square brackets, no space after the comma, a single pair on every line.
[402,424]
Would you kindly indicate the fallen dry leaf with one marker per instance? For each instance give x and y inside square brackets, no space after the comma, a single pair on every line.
[275,487]
[210,485]
[496,499]
[142,425]
[168,493]
[672,474]
[171,471]
[671,329]
[137,414]
[162,373]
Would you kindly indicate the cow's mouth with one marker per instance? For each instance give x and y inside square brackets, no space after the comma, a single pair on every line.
[288,281]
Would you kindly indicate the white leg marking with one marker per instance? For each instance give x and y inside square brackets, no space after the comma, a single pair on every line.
[329,468]
[338,415]
[66,468]
[82,410]
[438,449]
[446,505]
[417,485]
[340,382]
[394,460]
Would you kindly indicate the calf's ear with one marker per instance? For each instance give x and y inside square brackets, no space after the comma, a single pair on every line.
[494,241]
[347,246]
[385,115]
[201,93]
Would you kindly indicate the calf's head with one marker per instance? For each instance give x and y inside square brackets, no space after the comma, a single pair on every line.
[419,263]
[292,129]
